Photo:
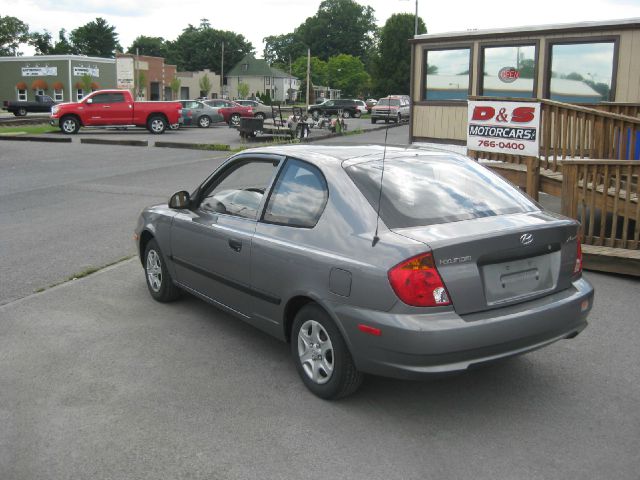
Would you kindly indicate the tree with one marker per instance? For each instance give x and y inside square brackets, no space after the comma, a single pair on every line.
[151,46]
[198,48]
[347,73]
[175,87]
[205,86]
[527,68]
[141,83]
[13,32]
[319,73]
[62,46]
[339,26]
[243,90]
[392,64]
[97,39]
[86,80]
[41,42]
[279,49]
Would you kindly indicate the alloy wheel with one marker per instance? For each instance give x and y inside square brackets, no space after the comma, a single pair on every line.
[315,352]
[154,270]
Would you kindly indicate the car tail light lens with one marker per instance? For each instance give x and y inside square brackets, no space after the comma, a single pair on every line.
[417,282]
[578,266]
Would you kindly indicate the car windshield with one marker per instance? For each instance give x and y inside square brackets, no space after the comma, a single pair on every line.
[385,102]
[426,190]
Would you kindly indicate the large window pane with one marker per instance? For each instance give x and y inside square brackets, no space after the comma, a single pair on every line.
[509,71]
[447,74]
[582,72]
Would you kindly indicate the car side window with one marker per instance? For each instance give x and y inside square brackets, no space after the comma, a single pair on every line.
[299,196]
[101,98]
[240,189]
[117,98]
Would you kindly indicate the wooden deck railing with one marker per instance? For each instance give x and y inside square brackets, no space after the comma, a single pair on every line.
[628,109]
[603,195]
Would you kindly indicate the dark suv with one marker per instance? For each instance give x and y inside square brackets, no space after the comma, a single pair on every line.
[349,108]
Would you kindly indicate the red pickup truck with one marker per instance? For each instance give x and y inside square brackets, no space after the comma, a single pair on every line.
[107,108]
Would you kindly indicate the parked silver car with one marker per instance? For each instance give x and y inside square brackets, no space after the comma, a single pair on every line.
[195,112]
[260,110]
[436,266]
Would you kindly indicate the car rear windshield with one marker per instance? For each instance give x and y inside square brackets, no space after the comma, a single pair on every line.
[426,190]
[385,102]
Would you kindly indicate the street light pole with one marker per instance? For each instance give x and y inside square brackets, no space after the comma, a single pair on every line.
[415,30]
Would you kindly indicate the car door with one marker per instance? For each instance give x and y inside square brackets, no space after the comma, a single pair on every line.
[97,109]
[121,111]
[211,243]
[285,237]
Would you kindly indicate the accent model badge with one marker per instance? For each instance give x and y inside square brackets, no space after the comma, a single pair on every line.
[526,239]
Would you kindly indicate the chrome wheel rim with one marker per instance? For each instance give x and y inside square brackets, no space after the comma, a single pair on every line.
[157,125]
[204,122]
[154,270]
[69,126]
[235,120]
[316,352]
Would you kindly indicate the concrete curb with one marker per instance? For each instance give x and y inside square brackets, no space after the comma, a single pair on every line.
[106,141]
[211,147]
[30,138]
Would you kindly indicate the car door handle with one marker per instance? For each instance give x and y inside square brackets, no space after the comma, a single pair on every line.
[235,244]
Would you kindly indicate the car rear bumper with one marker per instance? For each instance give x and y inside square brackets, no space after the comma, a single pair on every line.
[414,346]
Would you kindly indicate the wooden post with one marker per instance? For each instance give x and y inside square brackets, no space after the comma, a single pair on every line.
[569,200]
[533,177]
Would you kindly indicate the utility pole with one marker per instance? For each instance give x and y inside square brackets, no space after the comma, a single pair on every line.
[415,29]
[308,74]
[222,72]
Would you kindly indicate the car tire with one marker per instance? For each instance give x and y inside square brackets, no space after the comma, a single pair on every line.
[346,114]
[69,125]
[374,120]
[204,121]
[159,281]
[321,355]
[156,124]
[357,114]
[234,121]
[260,115]
[21,112]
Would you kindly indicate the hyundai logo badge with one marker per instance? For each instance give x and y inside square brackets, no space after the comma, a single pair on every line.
[526,239]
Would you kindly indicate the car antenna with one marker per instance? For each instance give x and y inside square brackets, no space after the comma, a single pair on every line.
[376,238]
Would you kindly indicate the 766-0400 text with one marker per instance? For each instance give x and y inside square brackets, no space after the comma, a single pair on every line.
[505,145]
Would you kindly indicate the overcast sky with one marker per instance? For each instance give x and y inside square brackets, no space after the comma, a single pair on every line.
[256,19]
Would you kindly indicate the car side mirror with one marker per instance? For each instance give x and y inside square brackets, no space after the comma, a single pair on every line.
[180,200]
[90,100]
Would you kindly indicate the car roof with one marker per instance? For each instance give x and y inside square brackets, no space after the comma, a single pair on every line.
[350,155]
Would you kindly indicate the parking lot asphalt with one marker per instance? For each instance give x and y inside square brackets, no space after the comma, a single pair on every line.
[219,133]
[99,381]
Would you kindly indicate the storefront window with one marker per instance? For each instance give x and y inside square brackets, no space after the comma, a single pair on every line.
[508,71]
[582,72]
[22,95]
[79,94]
[58,95]
[447,74]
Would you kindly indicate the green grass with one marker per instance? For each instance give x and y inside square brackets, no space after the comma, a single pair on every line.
[84,273]
[27,129]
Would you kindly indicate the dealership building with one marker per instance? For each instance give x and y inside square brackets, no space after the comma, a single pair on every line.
[59,76]
[582,63]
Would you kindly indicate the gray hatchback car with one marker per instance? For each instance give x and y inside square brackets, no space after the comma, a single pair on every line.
[404,263]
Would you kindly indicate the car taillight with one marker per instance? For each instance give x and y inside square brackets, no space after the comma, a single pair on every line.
[578,266]
[417,282]
[250,110]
